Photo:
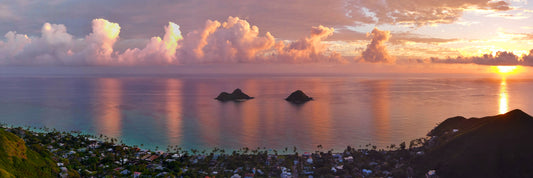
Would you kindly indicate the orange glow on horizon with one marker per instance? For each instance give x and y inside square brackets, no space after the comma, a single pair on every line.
[505,69]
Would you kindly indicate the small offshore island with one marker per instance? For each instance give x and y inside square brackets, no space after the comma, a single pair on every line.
[493,146]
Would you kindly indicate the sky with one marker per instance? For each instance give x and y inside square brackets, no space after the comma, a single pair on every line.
[168,32]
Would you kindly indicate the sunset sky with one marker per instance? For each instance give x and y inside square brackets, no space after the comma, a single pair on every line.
[165,32]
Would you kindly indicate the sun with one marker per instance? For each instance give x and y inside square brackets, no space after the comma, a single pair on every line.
[504,69]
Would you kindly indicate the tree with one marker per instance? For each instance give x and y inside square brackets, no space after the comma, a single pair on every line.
[402,145]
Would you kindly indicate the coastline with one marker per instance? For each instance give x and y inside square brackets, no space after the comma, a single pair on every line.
[449,145]
[88,155]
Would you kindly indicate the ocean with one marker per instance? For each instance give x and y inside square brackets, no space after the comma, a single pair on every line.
[158,110]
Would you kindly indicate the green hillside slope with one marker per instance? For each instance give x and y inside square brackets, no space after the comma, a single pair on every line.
[16,160]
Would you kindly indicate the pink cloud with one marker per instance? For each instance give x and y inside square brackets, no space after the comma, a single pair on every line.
[13,45]
[232,41]
[100,42]
[309,49]
[196,40]
[376,51]
[157,51]
[54,44]
[57,46]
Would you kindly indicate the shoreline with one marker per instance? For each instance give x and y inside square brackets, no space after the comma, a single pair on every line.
[133,159]
[152,147]
[450,151]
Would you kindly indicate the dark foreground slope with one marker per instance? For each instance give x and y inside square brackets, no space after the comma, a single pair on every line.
[494,146]
[17,160]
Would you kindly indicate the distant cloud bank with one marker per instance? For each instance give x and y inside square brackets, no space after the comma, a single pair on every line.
[500,58]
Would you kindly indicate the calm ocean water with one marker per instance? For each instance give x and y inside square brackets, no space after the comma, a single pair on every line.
[161,110]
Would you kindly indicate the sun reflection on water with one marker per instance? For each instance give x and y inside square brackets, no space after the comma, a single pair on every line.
[108,113]
[173,107]
[504,102]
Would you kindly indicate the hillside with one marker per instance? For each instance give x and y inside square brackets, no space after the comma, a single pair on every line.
[16,160]
[494,146]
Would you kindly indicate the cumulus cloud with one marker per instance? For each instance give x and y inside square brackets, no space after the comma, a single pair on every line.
[500,58]
[528,59]
[157,51]
[100,42]
[309,49]
[237,41]
[232,41]
[197,40]
[57,46]
[376,51]
[54,44]
[420,12]
[13,45]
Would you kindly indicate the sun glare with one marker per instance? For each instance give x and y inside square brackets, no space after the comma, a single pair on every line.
[504,102]
[504,69]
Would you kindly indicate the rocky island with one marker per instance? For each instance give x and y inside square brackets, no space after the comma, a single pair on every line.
[298,97]
[236,95]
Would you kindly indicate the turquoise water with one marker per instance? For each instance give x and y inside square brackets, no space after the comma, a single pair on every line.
[173,109]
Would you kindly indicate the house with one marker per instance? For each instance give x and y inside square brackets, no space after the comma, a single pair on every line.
[152,158]
[176,156]
[162,174]
[145,157]
[125,172]
[367,172]
[431,174]
[248,175]
[349,158]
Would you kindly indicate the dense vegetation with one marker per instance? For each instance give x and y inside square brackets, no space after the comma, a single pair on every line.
[19,160]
